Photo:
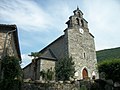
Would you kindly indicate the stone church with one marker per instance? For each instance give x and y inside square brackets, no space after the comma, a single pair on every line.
[77,42]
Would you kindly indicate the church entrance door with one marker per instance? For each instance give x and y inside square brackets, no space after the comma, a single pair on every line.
[85,73]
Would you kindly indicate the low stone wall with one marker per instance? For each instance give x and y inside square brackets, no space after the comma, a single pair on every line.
[49,86]
[77,85]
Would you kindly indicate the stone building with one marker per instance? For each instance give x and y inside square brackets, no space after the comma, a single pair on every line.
[9,44]
[77,42]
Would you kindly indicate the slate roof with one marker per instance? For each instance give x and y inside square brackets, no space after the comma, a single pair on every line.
[51,43]
[48,54]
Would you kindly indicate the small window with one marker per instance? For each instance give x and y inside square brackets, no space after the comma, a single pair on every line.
[84,55]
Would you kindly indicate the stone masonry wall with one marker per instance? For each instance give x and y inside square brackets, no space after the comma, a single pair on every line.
[81,47]
[2,39]
[77,85]
[47,64]
[10,46]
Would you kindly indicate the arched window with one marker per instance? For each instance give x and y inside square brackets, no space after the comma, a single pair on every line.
[85,73]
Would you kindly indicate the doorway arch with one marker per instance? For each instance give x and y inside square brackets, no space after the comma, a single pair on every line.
[84,73]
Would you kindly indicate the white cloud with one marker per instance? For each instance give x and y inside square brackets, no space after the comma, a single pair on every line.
[25,60]
[30,16]
[24,13]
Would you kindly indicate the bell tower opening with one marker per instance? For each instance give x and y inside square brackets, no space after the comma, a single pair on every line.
[77,21]
[82,23]
[85,73]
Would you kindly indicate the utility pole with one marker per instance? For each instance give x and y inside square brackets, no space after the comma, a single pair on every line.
[4,52]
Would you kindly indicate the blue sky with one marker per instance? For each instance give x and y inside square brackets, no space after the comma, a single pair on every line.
[40,22]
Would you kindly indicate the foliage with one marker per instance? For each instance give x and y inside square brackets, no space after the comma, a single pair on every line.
[106,54]
[111,69]
[43,74]
[47,75]
[64,68]
[12,74]
[35,54]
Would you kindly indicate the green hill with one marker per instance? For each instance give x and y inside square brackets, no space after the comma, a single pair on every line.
[113,53]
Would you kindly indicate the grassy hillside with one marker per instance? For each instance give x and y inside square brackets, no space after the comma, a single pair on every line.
[113,53]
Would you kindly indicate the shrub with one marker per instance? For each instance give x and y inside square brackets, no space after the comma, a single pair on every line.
[12,74]
[111,68]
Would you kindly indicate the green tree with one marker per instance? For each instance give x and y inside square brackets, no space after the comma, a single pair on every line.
[12,74]
[64,68]
[111,68]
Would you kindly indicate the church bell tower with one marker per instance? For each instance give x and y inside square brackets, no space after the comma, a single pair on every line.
[81,46]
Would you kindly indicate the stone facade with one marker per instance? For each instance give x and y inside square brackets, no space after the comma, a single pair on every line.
[81,45]
[77,42]
[9,40]
[9,44]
